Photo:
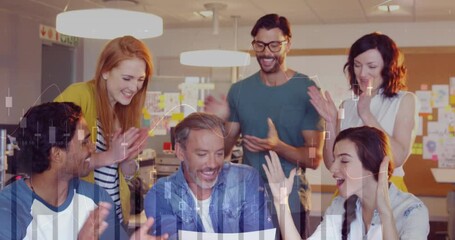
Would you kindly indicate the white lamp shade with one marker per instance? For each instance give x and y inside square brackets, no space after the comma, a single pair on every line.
[107,23]
[215,58]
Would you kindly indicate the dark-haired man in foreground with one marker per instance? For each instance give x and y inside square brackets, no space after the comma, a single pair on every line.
[53,203]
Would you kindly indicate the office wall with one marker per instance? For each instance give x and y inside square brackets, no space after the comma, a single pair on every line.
[20,65]
[174,41]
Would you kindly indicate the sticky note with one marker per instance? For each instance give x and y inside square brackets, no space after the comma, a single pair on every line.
[434,157]
[177,117]
[146,115]
[417,149]
[161,105]
[452,99]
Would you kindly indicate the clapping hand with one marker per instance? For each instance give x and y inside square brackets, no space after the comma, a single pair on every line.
[216,106]
[323,104]
[363,105]
[255,144]
[142,233]
[95,225]
[128,145]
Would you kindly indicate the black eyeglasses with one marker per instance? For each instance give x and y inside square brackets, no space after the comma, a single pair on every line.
[274,46]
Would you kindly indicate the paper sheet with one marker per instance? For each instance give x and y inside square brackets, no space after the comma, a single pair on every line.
[440,94]
[431,147]
[159,125]
[171,103]
[447,156]
[152,102]
[446,116]
[425,101]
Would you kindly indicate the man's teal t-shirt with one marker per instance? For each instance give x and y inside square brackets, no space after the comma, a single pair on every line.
[251,102]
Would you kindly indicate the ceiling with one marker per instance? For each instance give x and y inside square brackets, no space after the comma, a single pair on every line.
[180,13]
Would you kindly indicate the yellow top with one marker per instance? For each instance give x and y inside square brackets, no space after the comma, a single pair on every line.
[83,94]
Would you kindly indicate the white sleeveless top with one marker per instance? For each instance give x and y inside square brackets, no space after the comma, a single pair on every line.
[384,110]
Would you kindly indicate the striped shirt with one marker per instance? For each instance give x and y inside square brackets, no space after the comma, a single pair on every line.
[108,176]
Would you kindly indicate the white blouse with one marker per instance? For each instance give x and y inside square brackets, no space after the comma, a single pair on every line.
[384,110]
[411,218]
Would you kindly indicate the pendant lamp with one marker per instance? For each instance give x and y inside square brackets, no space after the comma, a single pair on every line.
[215,57]
[109,23]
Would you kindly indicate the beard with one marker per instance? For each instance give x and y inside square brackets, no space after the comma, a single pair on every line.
[276,66]
[200,183]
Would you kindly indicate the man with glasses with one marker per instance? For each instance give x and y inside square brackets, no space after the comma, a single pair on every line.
[272,111]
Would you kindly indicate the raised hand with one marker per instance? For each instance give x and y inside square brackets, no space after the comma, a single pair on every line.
[142,232]
[95,225]
[382,193]
[216,106]
[280,186]
[323,104]
[255,144]
[363,106]
[389,229]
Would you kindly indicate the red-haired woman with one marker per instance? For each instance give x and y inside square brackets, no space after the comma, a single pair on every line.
[112,102]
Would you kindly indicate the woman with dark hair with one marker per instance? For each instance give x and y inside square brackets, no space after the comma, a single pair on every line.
[368,206]
[112,103]
[377,78]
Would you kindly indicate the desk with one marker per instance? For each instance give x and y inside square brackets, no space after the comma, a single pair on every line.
[447,175]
